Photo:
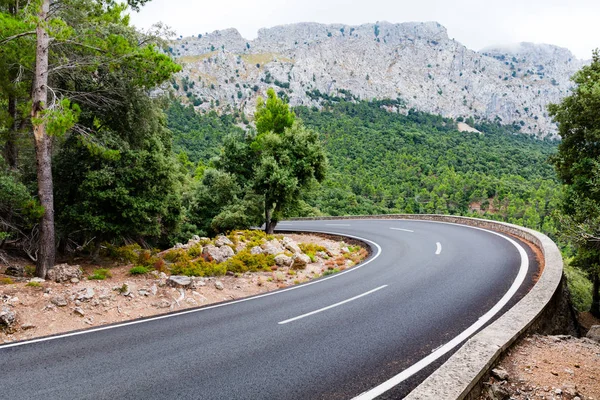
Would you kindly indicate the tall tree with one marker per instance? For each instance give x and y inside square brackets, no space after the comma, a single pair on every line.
[279,163]
[578,166]
[80,46]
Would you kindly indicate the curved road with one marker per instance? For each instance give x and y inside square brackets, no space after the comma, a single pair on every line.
[332,338]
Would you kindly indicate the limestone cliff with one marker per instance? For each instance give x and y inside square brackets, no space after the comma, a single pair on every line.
[415,62]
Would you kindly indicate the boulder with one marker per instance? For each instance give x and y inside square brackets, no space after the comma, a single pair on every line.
[497,392]
[282,260]
[290,245]
[256,250]
[8,318]
[227,252]
[179,281]
[273,247]
[594,333]
[64,273]
[322,255]
[15,270]
[217,254]
[300,261]
[86,294]
[219,285]
[500,373]
[162,304]
[37,280]
[223,241]
[59,301]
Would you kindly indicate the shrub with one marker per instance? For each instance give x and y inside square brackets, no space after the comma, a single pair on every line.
[245,261]
[29,270]
[177,255]
[160,265]
[195,251]
[100,274]
[579,286]
[139,270]
[34,284]
[129,253]
[331,271]
[6,281]
[198,268]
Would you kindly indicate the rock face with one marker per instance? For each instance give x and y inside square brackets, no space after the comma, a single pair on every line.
[64,272]
[415,62]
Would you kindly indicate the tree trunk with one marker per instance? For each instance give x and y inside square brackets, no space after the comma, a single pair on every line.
[43,147]
[595,310]
[269,224]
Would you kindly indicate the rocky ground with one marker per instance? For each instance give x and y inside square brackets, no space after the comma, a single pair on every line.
[30,307]
[548,367]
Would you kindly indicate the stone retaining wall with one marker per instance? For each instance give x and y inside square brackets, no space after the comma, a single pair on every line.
[460,376]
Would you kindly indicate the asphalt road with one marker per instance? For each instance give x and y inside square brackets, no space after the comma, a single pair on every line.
[425,283]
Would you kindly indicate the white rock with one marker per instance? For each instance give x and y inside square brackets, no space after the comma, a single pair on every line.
[282,260]
[222,241]
[79,311]
[219,285]
[289,244]
[594,333]
[59,301]
[179,281]
[300,261]
[256,250]
[273,247]
[64,273]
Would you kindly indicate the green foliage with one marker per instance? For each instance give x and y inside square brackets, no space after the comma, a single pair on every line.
[331,271]
[34,284]
[244,261]
[578,167]
[139,270]
[272,115]
[579,285]
[6,281]
[100,274]
[198,268]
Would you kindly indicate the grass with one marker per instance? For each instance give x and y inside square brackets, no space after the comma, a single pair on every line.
[34,284]
[6,281]
[100,274]
[331,271]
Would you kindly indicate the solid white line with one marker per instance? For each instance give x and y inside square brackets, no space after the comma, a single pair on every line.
[438,249]
[400,229]
[331,306]
[104,328]
[413,369]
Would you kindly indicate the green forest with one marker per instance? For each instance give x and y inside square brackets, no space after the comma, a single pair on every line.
[384,162]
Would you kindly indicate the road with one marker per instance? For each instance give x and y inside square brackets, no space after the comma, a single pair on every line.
[334,338]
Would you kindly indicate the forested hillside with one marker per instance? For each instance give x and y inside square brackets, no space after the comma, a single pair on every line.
[385,162]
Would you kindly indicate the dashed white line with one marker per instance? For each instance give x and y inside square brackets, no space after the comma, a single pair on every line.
[400,229]
[331,306]
[438,248]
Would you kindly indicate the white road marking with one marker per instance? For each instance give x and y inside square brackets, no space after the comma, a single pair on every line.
[331,306]
[400,229]
[418,366]
[438,248]
[337,224]
[141,321]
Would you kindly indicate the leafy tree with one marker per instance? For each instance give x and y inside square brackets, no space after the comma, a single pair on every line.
[79,46]
[578,166]
[272,115]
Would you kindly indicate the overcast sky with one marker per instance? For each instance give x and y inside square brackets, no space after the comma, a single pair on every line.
[474,23]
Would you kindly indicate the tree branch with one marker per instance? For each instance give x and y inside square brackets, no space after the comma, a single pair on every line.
[8,39]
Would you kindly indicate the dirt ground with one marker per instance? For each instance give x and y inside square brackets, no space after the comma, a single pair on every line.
[53,308]
[549,367]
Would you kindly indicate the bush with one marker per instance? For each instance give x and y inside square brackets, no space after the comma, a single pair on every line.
[579,286]
[129,253]
[245,261]
[100,274]
[139,270]
[34,284]
[6,281]
[177,255]
[195,251]
[198,268]
[29,270]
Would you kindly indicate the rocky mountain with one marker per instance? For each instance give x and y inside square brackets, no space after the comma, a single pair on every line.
[415,63]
